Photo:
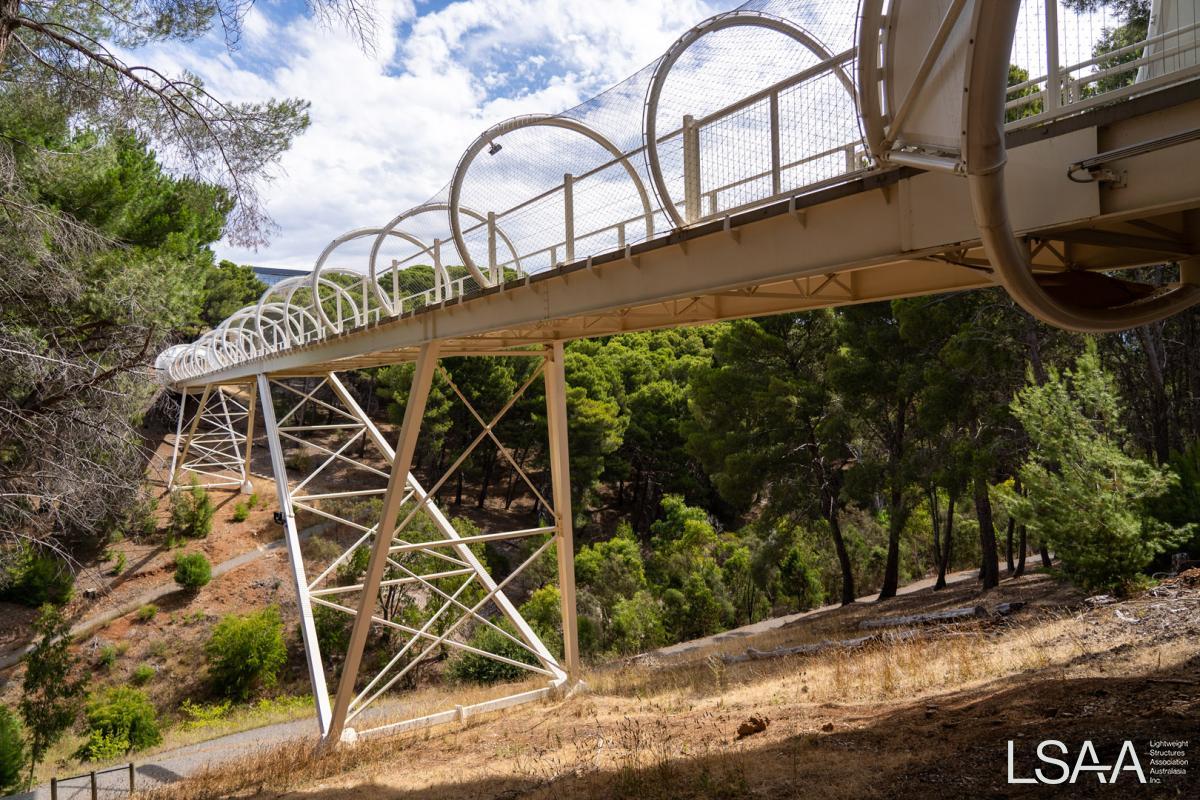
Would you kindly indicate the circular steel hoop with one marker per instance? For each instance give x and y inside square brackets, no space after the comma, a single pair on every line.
[531,121]
[732,19]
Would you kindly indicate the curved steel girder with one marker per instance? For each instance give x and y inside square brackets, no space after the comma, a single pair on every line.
[731,19]
[441,276]
[984,148]
[530,121]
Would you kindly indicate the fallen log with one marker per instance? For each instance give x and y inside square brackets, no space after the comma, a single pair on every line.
[949,615]
[754,654]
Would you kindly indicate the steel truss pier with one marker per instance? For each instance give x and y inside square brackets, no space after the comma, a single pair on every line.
[425,559]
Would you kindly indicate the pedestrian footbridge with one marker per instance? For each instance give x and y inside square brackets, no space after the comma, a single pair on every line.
[779,157]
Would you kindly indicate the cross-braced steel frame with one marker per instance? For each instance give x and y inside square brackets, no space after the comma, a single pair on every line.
[214,452]
[425,587]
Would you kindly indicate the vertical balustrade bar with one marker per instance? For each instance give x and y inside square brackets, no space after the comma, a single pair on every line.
[776,171]
[440,291]
[691,169]
[569,215]
[493,267]
[1053,85]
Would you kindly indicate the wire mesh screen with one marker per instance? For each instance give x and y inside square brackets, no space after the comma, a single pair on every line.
[1100,51]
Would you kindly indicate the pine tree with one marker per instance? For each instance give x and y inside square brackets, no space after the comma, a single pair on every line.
[1084,494]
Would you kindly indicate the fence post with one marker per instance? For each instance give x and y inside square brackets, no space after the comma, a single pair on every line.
[691,170]
[92,776]
[54,789]
[131,778]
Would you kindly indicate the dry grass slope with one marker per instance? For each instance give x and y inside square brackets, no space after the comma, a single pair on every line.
[927,715]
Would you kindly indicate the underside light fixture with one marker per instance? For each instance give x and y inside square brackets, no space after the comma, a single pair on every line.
[493,148]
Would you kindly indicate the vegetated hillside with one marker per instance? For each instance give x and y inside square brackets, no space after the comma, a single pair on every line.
[913,712]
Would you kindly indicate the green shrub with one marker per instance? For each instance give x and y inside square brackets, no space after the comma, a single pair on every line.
[245,652]
[637,624]
[191,512]
[14,758]
[543,612]
[102,746]
[143,674]
[39,577]
[333,631]
[122,715]
[119,566]
[147,612]
[199,715]
[473,668]
[107,657]
[253,501]
[157,648]
[192,570]
[241,512]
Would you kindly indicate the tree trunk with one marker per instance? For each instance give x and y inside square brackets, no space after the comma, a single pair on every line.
[458,490]
[891,570]
[1008,544]
[486,481]
[1046,562]
[935,522]
[839,545]
[1150,337]
[987,536]
[948,542]
[8,13]
[1023,546]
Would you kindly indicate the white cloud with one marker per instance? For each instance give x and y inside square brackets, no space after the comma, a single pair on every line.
[387,128]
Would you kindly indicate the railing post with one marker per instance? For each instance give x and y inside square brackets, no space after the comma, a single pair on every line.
[54,789]
[1053,86]
[691,169]
[439,295]
[569,215]
[132,778]
[621,236]
[776,176]
[92,777]
[493,267]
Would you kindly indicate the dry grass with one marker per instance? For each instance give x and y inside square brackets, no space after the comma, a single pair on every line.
[842,724]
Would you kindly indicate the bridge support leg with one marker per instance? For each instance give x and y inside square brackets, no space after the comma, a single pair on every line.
[247,486]
[414,411]
[183,396]
[308,630]
[560,472]
[187,443]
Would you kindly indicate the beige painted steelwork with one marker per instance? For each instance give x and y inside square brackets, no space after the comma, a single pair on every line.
[919,185]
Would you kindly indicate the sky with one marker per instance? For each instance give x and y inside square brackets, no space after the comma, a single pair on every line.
[389,122]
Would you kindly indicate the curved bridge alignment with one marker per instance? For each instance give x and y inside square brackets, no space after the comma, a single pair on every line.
[782,156]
